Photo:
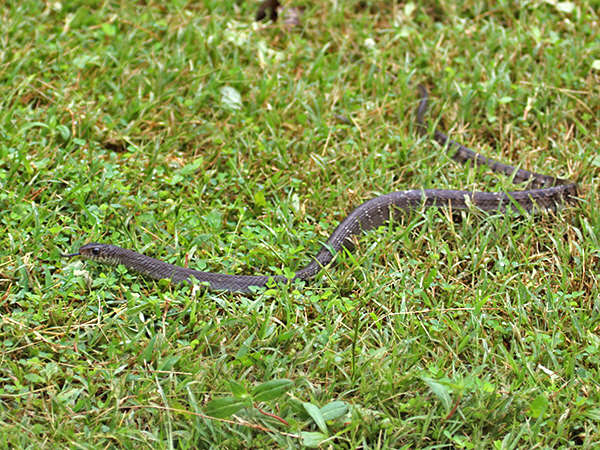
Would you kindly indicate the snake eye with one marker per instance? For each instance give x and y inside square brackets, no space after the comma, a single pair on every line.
[95,251]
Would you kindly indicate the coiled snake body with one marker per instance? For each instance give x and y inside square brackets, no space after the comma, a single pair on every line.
[545,192]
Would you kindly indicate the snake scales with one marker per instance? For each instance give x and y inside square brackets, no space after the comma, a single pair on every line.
[544,192]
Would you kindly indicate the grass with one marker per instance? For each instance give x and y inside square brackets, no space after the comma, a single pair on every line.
[119,123]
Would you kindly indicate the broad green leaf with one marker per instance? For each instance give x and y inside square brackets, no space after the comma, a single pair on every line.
[192,167]
[538,406]
[271,389]
[334,410]
[64,132]
[593,414]
[231,98]
[109,29]
[69,396]
[34,378]
[566,7]
[148,353]
[226,406]
[259,199]
[312,439]
[169,362]
[441,391]
[238,389]
[315,412]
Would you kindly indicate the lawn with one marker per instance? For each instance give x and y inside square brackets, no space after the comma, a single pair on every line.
[189,132]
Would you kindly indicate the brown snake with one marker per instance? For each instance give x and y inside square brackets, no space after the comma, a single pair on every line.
[545,192]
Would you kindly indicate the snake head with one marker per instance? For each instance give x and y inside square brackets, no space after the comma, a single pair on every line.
[96,251]
[90,251]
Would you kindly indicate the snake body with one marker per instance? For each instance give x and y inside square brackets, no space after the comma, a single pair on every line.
[544,192]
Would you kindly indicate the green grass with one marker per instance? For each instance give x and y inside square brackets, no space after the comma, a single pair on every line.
[478,331]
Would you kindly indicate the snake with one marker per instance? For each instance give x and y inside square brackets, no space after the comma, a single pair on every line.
[543,192]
